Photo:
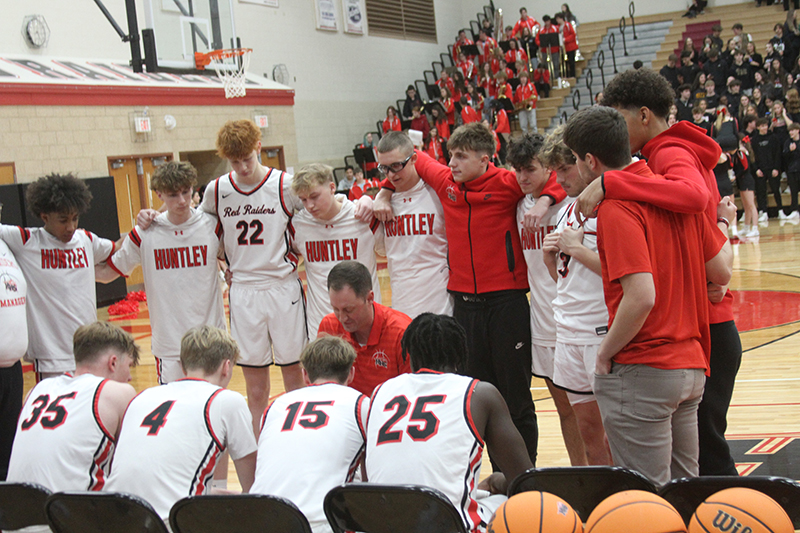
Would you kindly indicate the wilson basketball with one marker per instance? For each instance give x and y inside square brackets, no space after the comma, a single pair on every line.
[636,511]
[740,509]
[535,512]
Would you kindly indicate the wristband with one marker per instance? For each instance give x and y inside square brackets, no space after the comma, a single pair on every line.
[724,221]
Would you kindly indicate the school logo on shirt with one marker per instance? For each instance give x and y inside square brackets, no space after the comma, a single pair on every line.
[380,359]
[451,193]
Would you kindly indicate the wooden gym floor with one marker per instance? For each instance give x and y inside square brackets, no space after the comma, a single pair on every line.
[764,418]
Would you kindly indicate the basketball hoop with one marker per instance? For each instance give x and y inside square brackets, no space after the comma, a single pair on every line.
[233,79]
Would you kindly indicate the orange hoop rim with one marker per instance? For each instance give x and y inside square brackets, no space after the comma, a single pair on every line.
[203,59]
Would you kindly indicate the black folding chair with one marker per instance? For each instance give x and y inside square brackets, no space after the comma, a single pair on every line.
[240,513]
[22,505]
[372,508]
[686,494]
[101,512]
[583,487]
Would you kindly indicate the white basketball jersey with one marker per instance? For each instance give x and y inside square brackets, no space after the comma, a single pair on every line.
[13,297]
[580,308]
[323,244]
[322,424]
[61,442]
[61,290]
[172,436]
[255,223]
[416,252]
[543,288]
[420,431]
[181,277]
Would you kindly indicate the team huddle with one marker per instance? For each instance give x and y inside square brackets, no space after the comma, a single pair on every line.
[620,322]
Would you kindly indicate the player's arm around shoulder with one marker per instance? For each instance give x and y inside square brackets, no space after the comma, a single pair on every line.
[114,399]
[493,421]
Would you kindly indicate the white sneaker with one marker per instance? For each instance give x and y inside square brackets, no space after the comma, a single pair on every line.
[741,218]
[782,215]
[752,233]
[763,216]
[795,215]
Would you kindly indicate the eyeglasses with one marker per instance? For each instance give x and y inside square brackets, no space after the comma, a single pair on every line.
[395,167]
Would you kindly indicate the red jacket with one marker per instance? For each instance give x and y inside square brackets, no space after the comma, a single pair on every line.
[502,122]
[512,56]
[393,125]
[526,91]
[434,149]
[570,37]
[686,156]
[480,221]
[553,29]
[541,76]
[468,114]
[530,24]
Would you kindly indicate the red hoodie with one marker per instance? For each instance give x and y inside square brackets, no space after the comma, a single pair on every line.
[686,156]
[485,253]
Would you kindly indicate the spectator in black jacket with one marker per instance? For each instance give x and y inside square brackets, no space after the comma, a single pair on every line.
[742,71]
[791,153]
[716,40]
[689,68]
[716,69]
[684,102]
[412,99]
[767,152]
[670,71]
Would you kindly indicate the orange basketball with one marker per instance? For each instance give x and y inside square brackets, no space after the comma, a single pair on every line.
[535,512]
[635,511]
[740,509]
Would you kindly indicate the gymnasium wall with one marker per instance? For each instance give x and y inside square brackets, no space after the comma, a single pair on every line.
[44,139]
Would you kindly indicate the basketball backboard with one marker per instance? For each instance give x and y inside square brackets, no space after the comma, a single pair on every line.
[183,27]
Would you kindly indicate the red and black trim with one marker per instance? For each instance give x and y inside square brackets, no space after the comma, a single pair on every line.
[135,237]
[207,416]
[96,411]
[240,191]
[89,234]
[468,412]
[374,225]
[359,420]
[280,195]
[25,234]
[205,470]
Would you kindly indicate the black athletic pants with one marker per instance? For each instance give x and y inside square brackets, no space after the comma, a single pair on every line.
[793,178]
[726,356]
[775,187]
[761,190]
[10,407]
[498,330]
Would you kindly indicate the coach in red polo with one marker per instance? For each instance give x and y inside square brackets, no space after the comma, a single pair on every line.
[374,330]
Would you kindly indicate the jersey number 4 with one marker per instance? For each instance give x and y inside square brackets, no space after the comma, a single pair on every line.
[427,424]
[157,418]
[312,418]
[54,416]
[255,237]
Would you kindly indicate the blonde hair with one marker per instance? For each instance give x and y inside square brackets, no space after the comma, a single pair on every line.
[206,348]
[91,340]
[310,176]
[554,152]
[237,139]
[328,357]
[174,176]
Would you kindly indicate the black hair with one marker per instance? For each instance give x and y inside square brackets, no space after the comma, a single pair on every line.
[522,151]
[637,88]
[600,131]
[58,193]
[349,167]
[436,342]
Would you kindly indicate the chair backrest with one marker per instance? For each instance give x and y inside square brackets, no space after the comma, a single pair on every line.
[22,505]
[687,493]
[373,508]
[583,487]
[100,512]
[240,513]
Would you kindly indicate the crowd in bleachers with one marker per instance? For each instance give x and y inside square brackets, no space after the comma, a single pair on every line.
[749,102]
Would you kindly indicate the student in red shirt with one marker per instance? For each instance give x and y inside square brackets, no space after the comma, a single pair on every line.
[361,186]
[502,128]
[655,265]
[391,123]
[466,66]
[468,114]
[524,21]
[445,81]
[686,157]
[460,40]
[375,331]
[434,147]
[486,45]
[553,50]
[439,121]
[541,79]
[515,55]
[419,122]
[570,42]
[449,107]
[488,277]
[525,100]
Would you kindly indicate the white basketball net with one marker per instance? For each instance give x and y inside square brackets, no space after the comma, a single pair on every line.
[233,79]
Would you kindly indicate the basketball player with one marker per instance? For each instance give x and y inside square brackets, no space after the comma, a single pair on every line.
[650,368]
[13,331]
[327,232]
[173,435]
[532,176]
[58,261]
[415,240]
[254,205]
[686,157]
[570,253]
[487,277]
[178,254]
[429,428]
[322,423]
[372,329]
[69,424]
